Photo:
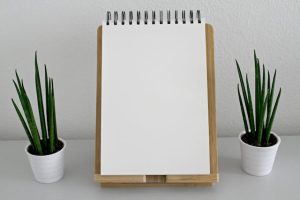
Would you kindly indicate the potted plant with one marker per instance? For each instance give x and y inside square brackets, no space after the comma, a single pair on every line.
[46,151]
[258,143]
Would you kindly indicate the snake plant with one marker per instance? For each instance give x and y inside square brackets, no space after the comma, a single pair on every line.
[258,120]
[47,142]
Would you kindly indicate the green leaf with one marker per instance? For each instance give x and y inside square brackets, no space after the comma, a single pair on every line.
[257,92]
[269,128]
[263,87]
[24,124]
[47,98]
[250,113]
[54,116]
[243,111]
[18,79]
[51,121]
[259,75]
[243,90]
[260,128]
[34,129]
[272,95]
[242,82]
[39,96]
[29,115]
[17,88]
[268,106]
[31,121]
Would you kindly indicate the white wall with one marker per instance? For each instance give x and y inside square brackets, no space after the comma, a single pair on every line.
[64,33]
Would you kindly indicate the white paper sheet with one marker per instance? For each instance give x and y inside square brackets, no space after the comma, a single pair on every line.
[154,100]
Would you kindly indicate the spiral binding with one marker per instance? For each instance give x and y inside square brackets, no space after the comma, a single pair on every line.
[146,17]
[153,17]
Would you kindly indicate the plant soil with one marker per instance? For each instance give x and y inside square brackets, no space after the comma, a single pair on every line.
[249,140]
[60,145]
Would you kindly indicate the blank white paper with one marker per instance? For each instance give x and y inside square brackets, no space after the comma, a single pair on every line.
[154,100]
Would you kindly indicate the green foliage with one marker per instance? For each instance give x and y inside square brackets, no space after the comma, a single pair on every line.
[47,143]
[258,126]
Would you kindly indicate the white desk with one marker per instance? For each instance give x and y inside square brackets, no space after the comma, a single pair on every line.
[16,180]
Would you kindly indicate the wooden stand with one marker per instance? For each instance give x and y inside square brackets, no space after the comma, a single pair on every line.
[162,180]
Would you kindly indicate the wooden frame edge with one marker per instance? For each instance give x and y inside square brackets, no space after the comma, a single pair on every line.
[122,185]
[211,99]
[98,102]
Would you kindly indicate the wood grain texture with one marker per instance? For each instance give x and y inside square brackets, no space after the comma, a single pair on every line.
[211,99]
[211,178]
[119,185]
[98,102]
[120,179]
[156,179]
[162,180]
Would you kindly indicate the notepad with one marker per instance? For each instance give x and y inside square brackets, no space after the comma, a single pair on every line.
[154,100]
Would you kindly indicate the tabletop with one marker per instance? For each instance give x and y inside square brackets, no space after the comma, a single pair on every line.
[17,182]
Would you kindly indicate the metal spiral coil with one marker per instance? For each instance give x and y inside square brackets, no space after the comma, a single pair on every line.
[193,17]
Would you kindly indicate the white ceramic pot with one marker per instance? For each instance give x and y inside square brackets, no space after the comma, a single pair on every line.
[258,161]
[48,168]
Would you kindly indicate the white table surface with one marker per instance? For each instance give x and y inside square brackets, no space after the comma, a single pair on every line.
[16,180]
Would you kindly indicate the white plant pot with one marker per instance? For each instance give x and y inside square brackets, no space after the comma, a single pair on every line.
[48,168]
[258,161]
